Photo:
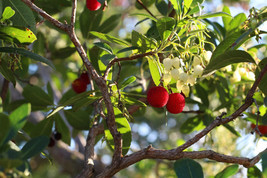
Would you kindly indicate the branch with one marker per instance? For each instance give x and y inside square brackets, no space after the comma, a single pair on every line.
[4,90]
[141,3]
[101,82]
[46,16]
[112,62]
[177,153]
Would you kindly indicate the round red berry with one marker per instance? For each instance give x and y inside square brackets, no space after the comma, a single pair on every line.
[175,103]
[262,128]
[157,96]
[93,5]
[79,85]
[84,76]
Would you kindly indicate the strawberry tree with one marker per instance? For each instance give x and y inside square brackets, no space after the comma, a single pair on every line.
[86,86]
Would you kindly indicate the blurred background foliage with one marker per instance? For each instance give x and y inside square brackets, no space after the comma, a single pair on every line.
[151,125]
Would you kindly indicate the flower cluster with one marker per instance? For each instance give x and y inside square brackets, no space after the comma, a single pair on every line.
[184,73]
[242,72]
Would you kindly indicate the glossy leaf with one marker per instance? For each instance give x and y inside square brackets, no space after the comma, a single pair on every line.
[109,38]
[53,6]
[202,94]
[6,72]
[23,16]
[7,14]
[4,127]
[236,22]
[188,168]
[190,124]
[229,57]
[187,4]
[89,21]
[43,127]
[165,27]
[143,43]
[177,6]
[18,35]
[216,14]
[68,99]
[263,82]
[37,97]
[28,54]
[106,58]
[154,71]
[62,128]
[104,46]
[226,20]
[79,120]
[254,172]
[124,129]
[264,163]
[228,171]
[18,119]
[127,82]
[34,146]
[63,53]
[110,23]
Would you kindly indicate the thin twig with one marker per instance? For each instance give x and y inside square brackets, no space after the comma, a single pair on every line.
[112,62]
[141,3]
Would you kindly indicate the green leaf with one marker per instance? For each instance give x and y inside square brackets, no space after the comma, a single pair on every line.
[145,44]
[254,172]
[106,58]
[68,99]
[37,97]
[18,118]
[187,4]
[190,124]
[89,21]
[177,5]
[16,34]
[127,49]
[8,163]
[78,120]
[4,127]
[124,129]
[23,17]
[34,146]
[162,7]
[228,171]
[229,57]
[263,82]
[6,72]
[188,168]
[7,14]
[53,6]
[165,27]
[232,129]
[236,22]
[154,71]
[27,53]
[132,101]
[104,46]
[109,38]
[62,128]
[84,102]
[202,94]
[63,53]
[226,20]
[110,24]
[127,82]
[43,127]
[215,14]
[264,163]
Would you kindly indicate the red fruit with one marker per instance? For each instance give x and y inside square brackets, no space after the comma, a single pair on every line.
[84,76]
[157,96]
[175,103]
[262,128]
[79,85]
[93,5]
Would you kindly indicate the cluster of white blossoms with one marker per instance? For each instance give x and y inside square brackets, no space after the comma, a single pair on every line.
[185,75]
[242,72]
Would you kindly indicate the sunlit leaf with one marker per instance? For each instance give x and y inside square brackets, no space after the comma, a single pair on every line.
[109,38]
[165,27]
[7,14]
[124,129]
[228,171]
[21,35]
[154,71]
